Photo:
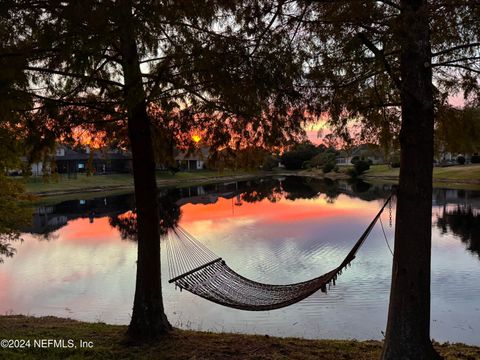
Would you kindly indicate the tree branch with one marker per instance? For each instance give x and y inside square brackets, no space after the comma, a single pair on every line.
[381,56]
[73,75]
[461,67]
[62,102]
[455,61]
[458,47]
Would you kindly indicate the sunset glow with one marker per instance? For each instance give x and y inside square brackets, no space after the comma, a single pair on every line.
[196,138]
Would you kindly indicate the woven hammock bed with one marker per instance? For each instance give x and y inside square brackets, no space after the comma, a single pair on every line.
[195,268]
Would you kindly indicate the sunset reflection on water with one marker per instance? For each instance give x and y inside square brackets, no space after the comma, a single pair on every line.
[85,270]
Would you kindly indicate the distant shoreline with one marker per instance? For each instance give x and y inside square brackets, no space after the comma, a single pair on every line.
[454,177]
[127,183]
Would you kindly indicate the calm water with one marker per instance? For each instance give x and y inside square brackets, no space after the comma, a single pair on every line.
[78,258]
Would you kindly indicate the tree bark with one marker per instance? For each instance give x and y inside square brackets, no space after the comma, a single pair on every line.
[148,318]
[408,328]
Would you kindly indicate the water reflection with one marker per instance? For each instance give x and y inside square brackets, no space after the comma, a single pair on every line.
[168,214]
[121,211]
[49,218]
[464,222]
[277,230]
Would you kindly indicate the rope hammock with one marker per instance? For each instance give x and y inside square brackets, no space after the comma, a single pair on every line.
[195,268]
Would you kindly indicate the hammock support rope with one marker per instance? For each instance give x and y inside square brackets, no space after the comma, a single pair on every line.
[195,268]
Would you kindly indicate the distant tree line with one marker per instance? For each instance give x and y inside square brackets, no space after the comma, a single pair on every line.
[307,155]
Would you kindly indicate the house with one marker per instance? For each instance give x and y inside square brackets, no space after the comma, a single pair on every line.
[446,158]
[191,160]
[111,161]
[367,152]
[69,161]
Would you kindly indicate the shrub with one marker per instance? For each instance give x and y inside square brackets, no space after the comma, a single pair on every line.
[295,158]
[322,159]
[269,163]
[292,163]
[461,160]
[475,159]
[307,164]
[327,167]
[395,161]
[352,173]
[361,166]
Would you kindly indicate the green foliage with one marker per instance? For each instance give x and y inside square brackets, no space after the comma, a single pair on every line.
[458,130]
[326,160]
[300,156]
[359,167]
[395,160]
[14,209]
[248,158]
[14,213]
[209,66]
[327,167]
[269,163]
[354,67]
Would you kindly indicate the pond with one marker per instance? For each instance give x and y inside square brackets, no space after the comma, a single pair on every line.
[78,258]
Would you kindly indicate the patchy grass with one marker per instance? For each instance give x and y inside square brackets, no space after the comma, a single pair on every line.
[382,170]
[64,186]
[460,173]
[81,182]
[109,343]
[342,173]
[55,199]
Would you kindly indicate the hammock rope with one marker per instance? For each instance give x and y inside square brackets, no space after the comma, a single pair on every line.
[197,269]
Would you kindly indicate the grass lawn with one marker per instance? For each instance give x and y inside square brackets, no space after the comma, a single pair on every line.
[460,172]
[81,181]
[109,343]
[63,185]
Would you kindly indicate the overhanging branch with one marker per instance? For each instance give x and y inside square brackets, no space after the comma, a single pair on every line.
[381,56]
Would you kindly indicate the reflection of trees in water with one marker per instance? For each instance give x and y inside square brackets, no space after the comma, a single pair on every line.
[169,214]
[15,211]
[463,222]
[328,187]
[359,186]
[120,209]
[268,189]
[273,190]
[296,187]
[300,188]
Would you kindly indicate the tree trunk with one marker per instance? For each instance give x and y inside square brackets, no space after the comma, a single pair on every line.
[408,328]
[148,318]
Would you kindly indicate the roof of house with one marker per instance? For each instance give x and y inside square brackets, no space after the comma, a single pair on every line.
[97,155]
[198,154]
[361,150]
